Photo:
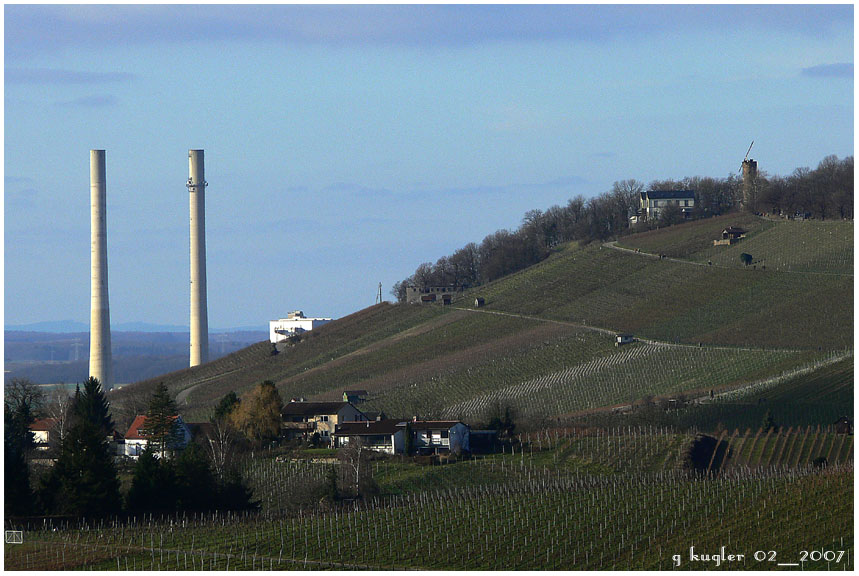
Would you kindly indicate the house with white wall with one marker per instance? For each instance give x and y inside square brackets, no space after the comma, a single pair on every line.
[295,323]
[653,202]
[385,436]
[42,429]
[439,436]
[136,439]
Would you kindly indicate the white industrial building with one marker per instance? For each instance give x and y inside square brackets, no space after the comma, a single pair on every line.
[295,323]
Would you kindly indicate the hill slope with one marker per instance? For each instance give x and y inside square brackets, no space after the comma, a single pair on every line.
[544,345]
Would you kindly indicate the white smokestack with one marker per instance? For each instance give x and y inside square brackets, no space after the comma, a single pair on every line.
[199,313]
[99,331]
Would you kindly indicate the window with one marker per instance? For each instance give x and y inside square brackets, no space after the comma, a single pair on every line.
[445,433]
[323,418]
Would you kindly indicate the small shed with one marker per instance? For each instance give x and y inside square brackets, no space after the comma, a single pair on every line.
[621,339]
[733,233]
[730,235]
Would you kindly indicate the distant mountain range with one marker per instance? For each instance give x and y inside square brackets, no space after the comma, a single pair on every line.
[71,326]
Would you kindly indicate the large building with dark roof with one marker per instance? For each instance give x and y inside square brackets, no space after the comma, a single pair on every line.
[303,419]
[653,202]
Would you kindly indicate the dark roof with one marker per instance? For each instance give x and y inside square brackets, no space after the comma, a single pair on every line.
[199,429]
[43,424]
[433,424]
[733,230]
[312,408]
[369,428]
[670,194]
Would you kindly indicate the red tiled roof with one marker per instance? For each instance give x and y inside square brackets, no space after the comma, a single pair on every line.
[134,432]
[43,424]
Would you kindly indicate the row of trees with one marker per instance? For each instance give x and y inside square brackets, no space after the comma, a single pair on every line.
[84,479]
[826,192]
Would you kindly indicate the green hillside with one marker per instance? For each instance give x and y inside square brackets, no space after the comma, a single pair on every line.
[682,302]
[811,246]
[543,343]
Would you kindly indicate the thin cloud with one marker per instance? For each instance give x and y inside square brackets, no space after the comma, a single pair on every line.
[839,70]
[64,77]
[107,26]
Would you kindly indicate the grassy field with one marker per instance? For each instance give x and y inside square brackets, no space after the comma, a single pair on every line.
[812,246]
[677,302]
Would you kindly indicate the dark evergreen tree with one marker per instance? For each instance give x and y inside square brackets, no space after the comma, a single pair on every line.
[92,405]
[153,485]
[84,474]
[227,404]
[162,429]
[84,482]
[234,494]
[329,488]
[17,440]
[195,483]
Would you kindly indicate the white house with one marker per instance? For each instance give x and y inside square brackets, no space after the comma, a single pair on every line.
[136,439]
[42,429]
[295,323]
[440,436]
[653,202]
[380,435]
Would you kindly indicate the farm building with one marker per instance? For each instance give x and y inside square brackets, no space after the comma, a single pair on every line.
[303,419]
[381,435]
[730,235]
[294,323]
[431,294]
[439,436]
[652,202]
[136,439]
[621,339]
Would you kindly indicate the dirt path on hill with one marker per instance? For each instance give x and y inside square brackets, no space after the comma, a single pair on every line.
[613,332]
[613,245]
[182,396]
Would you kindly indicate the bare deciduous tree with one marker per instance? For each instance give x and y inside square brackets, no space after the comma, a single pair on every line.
[221,445]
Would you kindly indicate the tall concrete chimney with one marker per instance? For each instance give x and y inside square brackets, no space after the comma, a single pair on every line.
[99,327]
[199,313]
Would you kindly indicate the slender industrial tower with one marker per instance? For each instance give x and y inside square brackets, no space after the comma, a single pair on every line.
[99,328]
[199,313]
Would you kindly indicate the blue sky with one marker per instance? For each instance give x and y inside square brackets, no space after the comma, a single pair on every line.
[345,145]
